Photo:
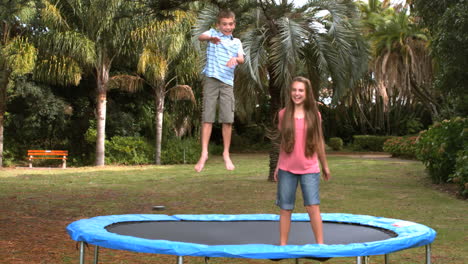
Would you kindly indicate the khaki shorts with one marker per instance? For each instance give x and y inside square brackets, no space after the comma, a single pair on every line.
[215,91]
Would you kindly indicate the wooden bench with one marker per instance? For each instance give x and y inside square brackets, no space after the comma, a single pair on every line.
[48,154]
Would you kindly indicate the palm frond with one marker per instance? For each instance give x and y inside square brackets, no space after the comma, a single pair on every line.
[125,82]
[58,70]
[71,43]
[206,19]
[286,50]
[20,56]
[52,17]
[153,66]
[182,92]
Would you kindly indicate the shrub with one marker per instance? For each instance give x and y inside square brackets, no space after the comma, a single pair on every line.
[460,176]
[404,147]
[368,142]
[180,151]
[336,143]
[128,151]
[437,147]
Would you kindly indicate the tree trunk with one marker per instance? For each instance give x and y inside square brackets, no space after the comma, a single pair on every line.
[4,77]
[275,105]
[102,77]
[158,120]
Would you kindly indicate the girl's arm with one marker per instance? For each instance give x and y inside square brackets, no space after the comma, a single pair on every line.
[323,161]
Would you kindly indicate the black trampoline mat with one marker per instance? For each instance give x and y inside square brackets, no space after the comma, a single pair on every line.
[247,232]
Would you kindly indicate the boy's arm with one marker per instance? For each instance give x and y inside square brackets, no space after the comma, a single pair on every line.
[206,37]
[240,58]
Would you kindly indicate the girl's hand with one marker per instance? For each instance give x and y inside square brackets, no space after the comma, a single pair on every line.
[326,174]
[275,175]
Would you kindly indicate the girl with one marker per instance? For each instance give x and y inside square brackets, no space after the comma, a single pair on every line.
[301,148]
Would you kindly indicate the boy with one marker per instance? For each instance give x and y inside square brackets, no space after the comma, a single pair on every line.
[224,53]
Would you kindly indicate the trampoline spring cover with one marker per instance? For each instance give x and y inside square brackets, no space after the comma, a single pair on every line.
[402,235]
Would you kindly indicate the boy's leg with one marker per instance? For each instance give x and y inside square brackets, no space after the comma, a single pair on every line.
[205,139]
[285,226]
[226,117]
[316,222]
[210,98]
[227,132]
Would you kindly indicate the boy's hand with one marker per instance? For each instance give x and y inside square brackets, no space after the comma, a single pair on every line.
[232,62]
[215,40]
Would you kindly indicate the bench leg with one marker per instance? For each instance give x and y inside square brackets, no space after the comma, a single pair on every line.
[64,163]
[30,163]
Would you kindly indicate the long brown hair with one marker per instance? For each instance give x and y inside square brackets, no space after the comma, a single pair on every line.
[313,123]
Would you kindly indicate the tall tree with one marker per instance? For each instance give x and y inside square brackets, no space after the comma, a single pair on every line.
[447,22]
[167,57]
[85,37]
[319,40]
[401,65]
[17,53]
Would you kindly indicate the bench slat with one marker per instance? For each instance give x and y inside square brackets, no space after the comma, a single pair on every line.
[46,154]
[46,158]
[64,153]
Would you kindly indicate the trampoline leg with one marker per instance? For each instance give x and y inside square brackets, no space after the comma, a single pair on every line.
[359,260]
[387,259]
[180,260]
[297,261]
[82,252]
[428,254]
[96,255]
[362,260]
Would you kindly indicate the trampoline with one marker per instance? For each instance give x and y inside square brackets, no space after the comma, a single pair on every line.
[250,236]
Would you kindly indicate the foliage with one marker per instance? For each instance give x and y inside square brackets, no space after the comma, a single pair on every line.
[437,147]
[404,147]
[460,176]
[369,142]
[447,22]
[36,118]
[180,151]
[335,143]
[128,151]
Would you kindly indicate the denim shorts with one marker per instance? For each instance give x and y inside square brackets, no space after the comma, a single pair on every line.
[287,186]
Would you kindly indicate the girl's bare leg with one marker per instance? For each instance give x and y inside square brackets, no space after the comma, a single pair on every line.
[285,225]
[316,222]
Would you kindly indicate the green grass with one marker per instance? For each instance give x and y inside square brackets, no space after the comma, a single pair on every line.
[36,205]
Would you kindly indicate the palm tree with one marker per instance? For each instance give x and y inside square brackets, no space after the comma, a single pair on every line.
[17,53]
[319,40]
[168,52]
[401,64]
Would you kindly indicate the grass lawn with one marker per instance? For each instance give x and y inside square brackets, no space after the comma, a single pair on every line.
[36,205]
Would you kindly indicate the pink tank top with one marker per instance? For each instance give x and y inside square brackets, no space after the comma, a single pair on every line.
[296,162]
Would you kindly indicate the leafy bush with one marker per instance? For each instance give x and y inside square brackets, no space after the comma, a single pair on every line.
[368,142]
[128,151]
[404,147]
[336,143]
[437,147]
[460,176]
[180,151]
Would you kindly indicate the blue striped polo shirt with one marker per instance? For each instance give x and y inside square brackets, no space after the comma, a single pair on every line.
[217,56]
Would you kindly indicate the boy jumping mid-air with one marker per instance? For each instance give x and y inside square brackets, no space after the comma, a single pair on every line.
[224,53]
